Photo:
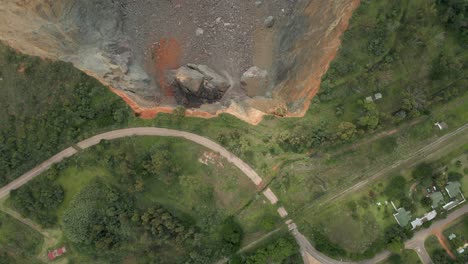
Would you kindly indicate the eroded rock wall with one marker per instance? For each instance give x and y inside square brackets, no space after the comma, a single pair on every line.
[114,42]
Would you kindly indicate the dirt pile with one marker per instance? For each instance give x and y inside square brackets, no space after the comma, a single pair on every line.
[135,46]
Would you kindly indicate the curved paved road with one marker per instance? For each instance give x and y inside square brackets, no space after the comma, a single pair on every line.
[138,131]
[143,131]
[309,253]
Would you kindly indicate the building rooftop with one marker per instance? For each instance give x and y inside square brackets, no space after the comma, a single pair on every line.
[56,253]
[402,216]
[453,189]
[437,199]
[427,217]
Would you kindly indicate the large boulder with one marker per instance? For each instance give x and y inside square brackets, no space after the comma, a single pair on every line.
[200,81]
[255,81]
[189,80]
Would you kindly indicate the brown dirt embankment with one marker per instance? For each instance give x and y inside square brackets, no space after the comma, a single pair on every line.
[307,82]
[253,116]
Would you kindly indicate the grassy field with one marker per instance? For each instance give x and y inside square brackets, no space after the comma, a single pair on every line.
[408,257]
[18,242]
[432,245]
[460,229]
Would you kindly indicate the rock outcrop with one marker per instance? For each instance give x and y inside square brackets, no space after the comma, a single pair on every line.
[199,82]
[132,46]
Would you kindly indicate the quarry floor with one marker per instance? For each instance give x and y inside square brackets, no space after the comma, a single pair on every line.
[227,35]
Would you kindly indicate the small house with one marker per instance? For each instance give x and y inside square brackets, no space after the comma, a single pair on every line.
[452,236]
[420,221]
[437,199]
[453,189]
[378,96]
[402,216]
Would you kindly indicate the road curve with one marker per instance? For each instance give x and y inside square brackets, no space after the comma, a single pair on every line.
[417,242]
[138,131]
[141,131]
[306,247]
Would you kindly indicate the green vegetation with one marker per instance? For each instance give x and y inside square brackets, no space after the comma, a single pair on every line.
[413,52]
[46,107]
[437,252]
[407,256]
[39,200]
[361,224]
[282,249]
[147,198]
[18,243]
[460,230]
[453,14]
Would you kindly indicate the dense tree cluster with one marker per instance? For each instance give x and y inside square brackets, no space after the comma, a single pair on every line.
[18,243]
[103,220]
[323,244]
[235,142]
[395,235]
[275,252]
[39,200]
[304,137]
[162,225]
[132,167]
[232,234]
[47,108]
[96,216]
[454,14]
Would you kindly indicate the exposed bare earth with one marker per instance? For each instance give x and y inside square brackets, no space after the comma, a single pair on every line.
[130,46]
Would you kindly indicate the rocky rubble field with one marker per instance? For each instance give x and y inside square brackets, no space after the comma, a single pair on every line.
[271,54]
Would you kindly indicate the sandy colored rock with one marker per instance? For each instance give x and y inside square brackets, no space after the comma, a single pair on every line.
[189,80]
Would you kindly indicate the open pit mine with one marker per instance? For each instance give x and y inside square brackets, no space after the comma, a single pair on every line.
[243,57]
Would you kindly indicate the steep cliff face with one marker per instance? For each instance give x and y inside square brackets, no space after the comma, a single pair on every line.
[134,46]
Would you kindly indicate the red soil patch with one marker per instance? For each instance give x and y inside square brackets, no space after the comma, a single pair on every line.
[166,56]
[443,242]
